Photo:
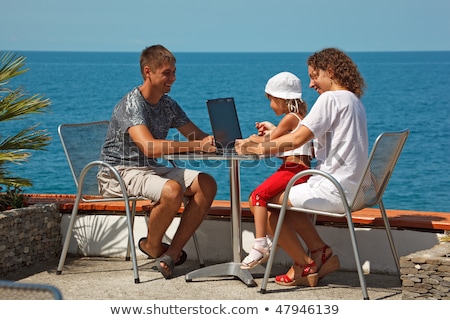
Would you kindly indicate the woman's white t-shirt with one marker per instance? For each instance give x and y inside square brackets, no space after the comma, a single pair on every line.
[338,122]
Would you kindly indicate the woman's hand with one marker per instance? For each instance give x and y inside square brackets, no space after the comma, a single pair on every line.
[245,146]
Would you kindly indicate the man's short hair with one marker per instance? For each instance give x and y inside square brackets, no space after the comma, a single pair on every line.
[154,57]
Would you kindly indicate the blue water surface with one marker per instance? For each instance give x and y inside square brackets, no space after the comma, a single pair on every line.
[405,90]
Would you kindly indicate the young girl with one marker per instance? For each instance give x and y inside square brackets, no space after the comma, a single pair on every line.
[285,95]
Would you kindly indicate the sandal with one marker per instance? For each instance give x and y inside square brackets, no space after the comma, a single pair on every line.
[168,261]
[269,241]
[180,261]
[329,264]
[249,263]
[306,279]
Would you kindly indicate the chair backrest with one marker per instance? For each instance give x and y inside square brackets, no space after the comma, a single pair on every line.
[82,143]
[10,290]
[382,160]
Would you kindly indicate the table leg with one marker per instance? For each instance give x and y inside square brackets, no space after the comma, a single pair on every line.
[230,268]
[236,213]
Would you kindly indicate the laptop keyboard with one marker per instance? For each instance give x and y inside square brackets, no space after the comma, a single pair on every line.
[226,152]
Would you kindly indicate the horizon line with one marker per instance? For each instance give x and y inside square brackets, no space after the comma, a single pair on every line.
[240,52]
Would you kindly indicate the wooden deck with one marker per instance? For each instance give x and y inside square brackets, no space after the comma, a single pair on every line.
[371,217]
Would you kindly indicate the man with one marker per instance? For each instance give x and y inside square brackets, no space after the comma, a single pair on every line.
[136,137]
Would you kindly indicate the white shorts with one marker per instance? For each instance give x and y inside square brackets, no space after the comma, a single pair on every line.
[144,182]
[305,195]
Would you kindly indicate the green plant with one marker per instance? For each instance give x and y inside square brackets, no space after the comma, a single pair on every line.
[16,104]
[11,199]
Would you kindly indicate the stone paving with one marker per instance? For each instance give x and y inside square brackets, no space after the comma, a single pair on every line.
[97,278]
[426,274]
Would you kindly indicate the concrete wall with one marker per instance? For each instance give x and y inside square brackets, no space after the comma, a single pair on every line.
[100,235]
[33,234]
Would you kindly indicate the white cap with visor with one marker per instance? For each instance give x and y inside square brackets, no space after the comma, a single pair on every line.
[284,85]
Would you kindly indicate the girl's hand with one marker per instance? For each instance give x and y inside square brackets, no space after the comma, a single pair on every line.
[264,127]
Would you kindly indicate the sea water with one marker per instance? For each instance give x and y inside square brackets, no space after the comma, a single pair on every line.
[404,90]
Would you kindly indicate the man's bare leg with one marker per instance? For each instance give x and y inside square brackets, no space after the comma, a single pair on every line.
[201,195]
[161,217]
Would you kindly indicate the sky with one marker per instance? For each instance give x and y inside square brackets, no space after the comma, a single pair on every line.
[225,26]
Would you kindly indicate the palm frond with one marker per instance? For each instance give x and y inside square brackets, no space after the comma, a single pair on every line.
[28,138]
[16,105]
[10,65]
[16,156]
[15,182]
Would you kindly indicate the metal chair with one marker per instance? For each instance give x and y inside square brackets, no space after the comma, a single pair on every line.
[382,160]
[10,290]
[82,145]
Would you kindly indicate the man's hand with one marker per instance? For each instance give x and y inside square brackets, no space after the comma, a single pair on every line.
[208,145]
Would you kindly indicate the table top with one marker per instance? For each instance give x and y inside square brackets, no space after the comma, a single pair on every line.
[209,156]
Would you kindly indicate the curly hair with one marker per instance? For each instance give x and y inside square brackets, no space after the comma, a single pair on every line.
[154,57]
[345,71]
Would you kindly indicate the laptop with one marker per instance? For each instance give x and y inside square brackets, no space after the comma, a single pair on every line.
[224,124]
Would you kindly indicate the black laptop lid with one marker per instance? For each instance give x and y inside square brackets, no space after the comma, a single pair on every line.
[224,122]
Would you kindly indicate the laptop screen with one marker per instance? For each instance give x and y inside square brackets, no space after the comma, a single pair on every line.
[224,122]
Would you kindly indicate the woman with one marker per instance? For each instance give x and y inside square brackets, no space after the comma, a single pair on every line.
[337,121]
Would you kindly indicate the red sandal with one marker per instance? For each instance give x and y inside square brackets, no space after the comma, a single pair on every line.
[329,264]
[306,279]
